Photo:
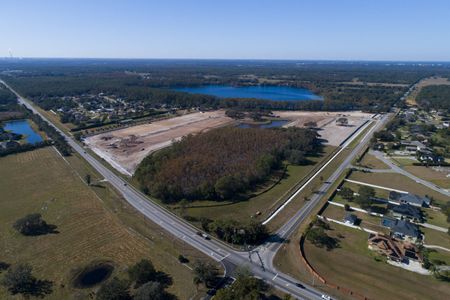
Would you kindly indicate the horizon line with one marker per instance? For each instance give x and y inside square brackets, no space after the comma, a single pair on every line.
[224,59]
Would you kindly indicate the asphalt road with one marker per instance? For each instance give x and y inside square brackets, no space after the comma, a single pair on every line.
[260,262]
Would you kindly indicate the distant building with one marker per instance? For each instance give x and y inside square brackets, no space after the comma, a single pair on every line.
[411,199]
[406,211]
[401,229]
[350,219]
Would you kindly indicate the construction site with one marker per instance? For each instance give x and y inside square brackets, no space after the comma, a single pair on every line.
[125,148]
[333,127]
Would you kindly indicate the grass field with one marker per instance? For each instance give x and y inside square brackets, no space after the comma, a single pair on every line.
[353,266]
[428,174]
[366,220]
[436,217]
[266,199]
[397,181]
[403,161]
[94,223]
[434,237]
[372,162]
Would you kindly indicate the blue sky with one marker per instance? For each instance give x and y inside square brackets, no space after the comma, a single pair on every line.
[246,29]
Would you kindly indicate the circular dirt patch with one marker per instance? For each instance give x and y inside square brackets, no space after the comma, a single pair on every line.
[93,275]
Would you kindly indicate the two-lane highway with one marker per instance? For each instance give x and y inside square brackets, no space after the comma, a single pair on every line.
[181,229]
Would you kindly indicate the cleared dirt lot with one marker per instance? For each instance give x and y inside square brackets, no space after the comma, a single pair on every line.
[329,130]
[124,149]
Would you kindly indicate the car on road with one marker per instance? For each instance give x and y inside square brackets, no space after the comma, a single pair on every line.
[326,297]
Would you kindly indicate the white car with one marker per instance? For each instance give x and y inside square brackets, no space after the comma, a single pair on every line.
[326,297]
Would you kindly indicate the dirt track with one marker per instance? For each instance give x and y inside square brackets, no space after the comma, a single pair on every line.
[124,149]
[326,122]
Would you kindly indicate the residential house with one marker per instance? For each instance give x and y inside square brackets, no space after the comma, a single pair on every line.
[395,250]
[350,219]
[411,199]
[402,229]
[407,212]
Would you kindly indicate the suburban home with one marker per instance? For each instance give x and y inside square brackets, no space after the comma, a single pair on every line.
[407,212]
[411,199]
[350,219]
[429,157]
[395,250]
[402,229]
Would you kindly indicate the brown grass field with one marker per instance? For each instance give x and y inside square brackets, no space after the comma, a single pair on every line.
[94,223]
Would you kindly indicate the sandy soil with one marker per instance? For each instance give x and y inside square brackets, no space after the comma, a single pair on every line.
[326,122]
[124,149]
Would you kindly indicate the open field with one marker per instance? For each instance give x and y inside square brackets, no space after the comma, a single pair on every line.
[397,181]
[326,122]
[94,223]
[435,175]
[434,237]
[366,220]
[353,266]
[370,161]
[425,82]
[126,148]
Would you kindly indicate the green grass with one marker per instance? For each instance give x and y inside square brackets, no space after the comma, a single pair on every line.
[404,161]
[94,223]
[436,217]
[353,266]
[439,255]
[434,237]
[372,162]
[397,181]
[438,178]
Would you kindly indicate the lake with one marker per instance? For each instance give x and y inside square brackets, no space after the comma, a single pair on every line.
[272,124]
[273,93]
[24,128]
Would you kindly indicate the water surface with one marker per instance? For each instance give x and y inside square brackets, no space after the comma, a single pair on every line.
[273,124]
[24,128]
[273,93]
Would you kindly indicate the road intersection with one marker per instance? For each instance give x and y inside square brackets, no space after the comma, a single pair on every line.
[260,261]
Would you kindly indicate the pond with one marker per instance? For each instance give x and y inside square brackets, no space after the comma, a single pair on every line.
[93,275]
[272,124]
[273,93]
[24,128]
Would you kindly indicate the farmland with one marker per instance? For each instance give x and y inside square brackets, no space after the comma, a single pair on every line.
[93,222]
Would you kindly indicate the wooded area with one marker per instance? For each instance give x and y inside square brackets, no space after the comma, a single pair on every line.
[434,96]
[222,163]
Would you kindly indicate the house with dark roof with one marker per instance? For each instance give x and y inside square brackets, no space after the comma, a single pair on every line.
[407,212]
[350,219]
[401,229]
[411,199]
[393,249]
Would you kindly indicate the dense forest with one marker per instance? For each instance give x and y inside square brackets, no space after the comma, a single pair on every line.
[355,85]
[222,163]
[434,96]
[8,101]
